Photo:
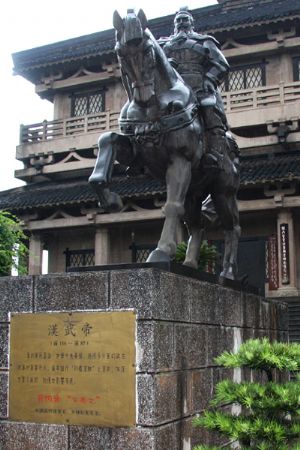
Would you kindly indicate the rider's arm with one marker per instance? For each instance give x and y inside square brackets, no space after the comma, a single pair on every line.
[217,64]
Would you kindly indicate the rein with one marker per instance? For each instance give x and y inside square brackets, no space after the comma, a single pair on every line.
[165,124]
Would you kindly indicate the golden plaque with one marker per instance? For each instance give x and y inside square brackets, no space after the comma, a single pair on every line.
[73,368]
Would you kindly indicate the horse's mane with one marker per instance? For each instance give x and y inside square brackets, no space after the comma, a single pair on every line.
[171,73]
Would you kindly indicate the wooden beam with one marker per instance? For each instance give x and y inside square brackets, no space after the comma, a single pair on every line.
[99,219]
[269,203]
[72,81]
[153,214]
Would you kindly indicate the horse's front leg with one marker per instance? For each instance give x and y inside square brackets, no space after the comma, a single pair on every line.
[178,178]
[110,144]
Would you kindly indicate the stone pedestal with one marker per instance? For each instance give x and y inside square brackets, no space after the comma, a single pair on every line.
[182,324]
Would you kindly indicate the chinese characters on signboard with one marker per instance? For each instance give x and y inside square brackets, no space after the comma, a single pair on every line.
[284,241]
[272,266]
[75,368]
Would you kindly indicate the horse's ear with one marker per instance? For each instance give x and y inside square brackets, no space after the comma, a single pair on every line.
[117,21]
[143,19]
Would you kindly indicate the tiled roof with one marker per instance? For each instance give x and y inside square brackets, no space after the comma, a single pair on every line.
[74,192]
[259,170]
[257,13]
[210,19]
[266,169]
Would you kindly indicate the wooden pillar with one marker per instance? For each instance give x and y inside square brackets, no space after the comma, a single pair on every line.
[286,252]
[35,255]
[102,247]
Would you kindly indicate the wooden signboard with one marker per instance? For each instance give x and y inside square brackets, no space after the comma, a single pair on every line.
[73,368]
[273,263]
[285,263]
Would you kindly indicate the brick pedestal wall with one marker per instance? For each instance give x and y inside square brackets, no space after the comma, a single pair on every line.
[182,324]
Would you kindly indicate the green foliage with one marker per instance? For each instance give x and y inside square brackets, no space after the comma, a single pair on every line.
[270,411]
[12,244]
[208,254]
[260,354]
[259,397]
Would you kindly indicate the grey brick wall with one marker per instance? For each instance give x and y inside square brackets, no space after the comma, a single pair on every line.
[182,324]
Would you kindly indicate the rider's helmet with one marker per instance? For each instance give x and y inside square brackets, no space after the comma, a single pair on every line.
[183,20]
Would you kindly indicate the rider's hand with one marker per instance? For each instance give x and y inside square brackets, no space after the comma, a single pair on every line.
[209,86]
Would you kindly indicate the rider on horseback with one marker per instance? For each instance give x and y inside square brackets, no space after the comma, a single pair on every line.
[203,67]
[161,131]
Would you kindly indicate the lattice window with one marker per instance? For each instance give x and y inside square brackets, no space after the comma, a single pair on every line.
[80,106]
[140,253]
[236,80]
[79,258]
[88,103]
[254,77]
[244,78]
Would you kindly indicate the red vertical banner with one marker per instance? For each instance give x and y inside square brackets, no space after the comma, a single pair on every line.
[285,259]
[273,263]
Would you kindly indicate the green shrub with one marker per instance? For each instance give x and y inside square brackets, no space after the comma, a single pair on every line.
[208,254]
[270,411]
[12,244]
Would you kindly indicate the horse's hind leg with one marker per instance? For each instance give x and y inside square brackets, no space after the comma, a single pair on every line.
[178,179]
[200,216]
[227,209]
[109,144]
[230,253]
[193,222]
[193,247]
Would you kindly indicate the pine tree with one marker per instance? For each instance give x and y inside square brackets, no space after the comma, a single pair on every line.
[270,411]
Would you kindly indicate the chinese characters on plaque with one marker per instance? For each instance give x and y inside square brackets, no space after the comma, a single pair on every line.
[272,266]
[284,241]
[73,368]
[272,263]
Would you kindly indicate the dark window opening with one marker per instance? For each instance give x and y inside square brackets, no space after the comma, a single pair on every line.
[251,132]
[296,68]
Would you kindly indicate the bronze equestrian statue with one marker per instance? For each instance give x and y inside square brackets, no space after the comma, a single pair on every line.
[203,67]
[162,128]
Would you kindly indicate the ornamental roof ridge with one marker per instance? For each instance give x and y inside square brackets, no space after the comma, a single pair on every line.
[209,19]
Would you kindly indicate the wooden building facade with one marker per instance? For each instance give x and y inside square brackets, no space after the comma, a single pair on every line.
[81,77]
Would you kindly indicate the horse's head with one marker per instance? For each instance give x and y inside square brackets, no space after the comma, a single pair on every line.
[136,54]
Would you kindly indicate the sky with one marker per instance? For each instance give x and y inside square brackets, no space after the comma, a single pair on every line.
[26,24]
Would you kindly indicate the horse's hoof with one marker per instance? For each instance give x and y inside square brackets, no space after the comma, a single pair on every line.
[114,203]
[109,201]
[192,264]
[158,255]
[227,274]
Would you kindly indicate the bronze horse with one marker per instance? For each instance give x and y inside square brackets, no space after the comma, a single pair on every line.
[161,129]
